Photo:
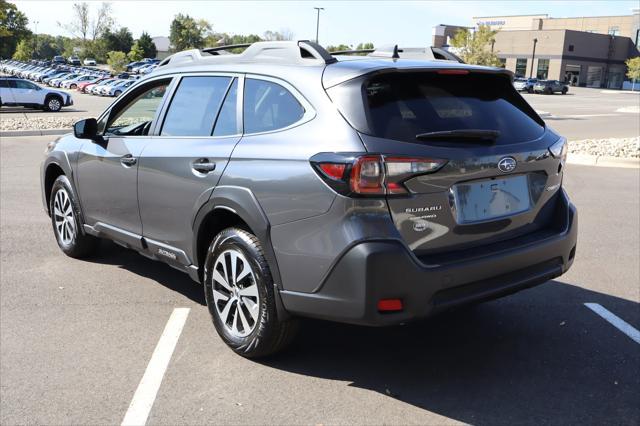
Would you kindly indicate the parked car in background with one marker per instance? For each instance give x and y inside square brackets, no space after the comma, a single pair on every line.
[118,87]
[59,60]
[57,82]
[74,60]
[96,89]
[20,92]
[85,85]
[524,84]
[73,83]
[89,62]
[549,87]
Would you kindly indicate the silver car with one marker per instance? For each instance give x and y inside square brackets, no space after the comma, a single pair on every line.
[290,183]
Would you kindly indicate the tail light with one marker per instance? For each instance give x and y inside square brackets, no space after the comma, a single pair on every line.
[559,150]
[371,175]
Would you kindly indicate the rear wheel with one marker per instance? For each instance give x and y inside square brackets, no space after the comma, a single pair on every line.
[53,103]
[564,91]
[73,86]
[65,219]
[241,298]
[117,93]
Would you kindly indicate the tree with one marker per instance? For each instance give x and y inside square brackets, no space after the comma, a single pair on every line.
[474,48]
[145,42]
[117,61]
[24,50]
[86,28]
[633,70]
[338,48]
[187,33]
[364,46]
[283,34]
[136,52]
[47,47]
[13,28]
[120,40]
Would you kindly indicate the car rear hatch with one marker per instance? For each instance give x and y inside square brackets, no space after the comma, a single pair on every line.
[466,161]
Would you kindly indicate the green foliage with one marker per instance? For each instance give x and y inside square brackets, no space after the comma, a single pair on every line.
[136,53]
[364,46]
[47,46]
[120,40]
[222,39]
[145,42]
[633,68]
[475,48]
[283,34]
[339,48]
[188,33]
[24,50]
[13,28]
[117,61]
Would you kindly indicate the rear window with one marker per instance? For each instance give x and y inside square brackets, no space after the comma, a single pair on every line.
[400,106]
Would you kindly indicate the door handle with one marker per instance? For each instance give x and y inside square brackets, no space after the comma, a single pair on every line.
[203,165]
[128,160]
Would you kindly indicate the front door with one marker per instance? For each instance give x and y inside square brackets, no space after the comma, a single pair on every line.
[25,92]
[107,172]
[182,164]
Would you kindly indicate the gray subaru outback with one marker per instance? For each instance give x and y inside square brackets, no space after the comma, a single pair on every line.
[291,183]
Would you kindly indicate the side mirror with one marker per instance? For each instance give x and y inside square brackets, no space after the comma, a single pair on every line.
[87,129]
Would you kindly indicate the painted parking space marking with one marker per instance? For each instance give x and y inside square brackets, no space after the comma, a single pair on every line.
[152,379]
[615,321]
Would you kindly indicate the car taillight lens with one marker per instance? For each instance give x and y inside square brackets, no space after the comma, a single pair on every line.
[371,175]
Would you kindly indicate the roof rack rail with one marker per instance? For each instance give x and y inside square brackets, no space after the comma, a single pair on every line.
[290,52]
[430,53]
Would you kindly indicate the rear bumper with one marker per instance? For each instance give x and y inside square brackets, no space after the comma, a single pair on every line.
[385,269]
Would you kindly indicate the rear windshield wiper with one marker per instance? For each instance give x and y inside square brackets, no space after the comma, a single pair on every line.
[467,134]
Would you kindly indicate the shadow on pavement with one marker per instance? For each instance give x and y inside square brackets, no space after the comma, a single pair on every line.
[112,254]
[533,358]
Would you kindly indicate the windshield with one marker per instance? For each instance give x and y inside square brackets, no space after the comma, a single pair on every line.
[402,105]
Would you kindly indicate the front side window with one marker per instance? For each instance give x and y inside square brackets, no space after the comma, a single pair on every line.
[227,121]
[195,105]
[543,69]
[269,106]
[137,112]
[21,84]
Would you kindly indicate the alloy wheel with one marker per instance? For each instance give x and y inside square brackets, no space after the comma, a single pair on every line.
[63,217]
[235,293]
[54,104]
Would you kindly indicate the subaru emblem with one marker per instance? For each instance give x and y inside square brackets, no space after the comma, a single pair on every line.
[507,164]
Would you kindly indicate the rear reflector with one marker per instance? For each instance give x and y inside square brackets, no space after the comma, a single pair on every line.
[334,171]
[389,305]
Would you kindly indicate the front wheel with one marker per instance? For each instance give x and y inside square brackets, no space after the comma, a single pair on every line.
[65,218]
[564,91]
[53,104]
[240,295]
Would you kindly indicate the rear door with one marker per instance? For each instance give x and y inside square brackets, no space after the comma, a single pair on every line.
[184,161]
[490,188]
[6,94]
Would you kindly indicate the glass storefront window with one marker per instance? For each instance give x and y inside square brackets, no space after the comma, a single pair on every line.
[521,67]
[543,69]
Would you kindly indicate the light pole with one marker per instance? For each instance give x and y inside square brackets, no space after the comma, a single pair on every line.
[318,9]
[533,56]
[35,38]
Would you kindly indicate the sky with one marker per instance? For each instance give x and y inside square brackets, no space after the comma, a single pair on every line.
[408,23]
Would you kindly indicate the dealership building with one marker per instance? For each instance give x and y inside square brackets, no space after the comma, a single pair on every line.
[586,51]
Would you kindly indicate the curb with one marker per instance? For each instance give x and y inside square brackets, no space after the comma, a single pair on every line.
[43,132]
[603,161]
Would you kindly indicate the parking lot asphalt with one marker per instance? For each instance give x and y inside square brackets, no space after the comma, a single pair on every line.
[586,113]
[583,113]
[76,336]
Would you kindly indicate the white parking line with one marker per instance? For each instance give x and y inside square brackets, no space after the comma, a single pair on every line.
[148,388]
[618,323]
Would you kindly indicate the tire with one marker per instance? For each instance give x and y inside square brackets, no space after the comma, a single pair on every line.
[66,223]
[244,314]
[53,104]
[548,91]
[530,90]
[117,93]
[564,91]
[73,86]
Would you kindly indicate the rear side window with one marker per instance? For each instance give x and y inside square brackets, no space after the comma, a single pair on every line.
[400,106]
[269,106]
[195,105]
